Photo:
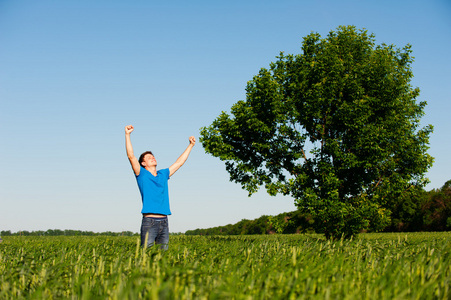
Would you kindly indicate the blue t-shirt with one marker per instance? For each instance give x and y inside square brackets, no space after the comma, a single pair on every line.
[154,191]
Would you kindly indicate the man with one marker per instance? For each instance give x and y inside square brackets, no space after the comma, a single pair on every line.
[153,186]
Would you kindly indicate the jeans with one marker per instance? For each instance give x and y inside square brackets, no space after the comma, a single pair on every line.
[155,231]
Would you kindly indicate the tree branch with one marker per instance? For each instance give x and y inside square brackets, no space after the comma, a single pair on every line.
[303,153]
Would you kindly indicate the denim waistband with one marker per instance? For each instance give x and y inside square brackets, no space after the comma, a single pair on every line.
[157,219]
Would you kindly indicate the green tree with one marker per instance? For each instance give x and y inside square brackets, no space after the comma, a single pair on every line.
[436,209]
[337,127]
[406,211]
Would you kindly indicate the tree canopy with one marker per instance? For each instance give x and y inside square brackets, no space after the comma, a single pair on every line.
[337,127]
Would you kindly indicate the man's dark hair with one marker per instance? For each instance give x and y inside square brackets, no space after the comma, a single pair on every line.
[141,157]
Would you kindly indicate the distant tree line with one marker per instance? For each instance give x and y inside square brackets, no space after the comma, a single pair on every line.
[422,211]
[67,232]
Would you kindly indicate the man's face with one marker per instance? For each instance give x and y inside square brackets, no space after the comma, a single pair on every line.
[149,160]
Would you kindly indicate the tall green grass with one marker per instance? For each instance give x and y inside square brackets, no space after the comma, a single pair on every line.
[372,266]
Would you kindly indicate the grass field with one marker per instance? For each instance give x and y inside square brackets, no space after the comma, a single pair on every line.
[371,266]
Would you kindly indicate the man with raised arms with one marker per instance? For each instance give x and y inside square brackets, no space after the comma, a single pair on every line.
[153,186]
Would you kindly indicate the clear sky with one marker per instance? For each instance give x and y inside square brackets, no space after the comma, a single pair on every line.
[73,73]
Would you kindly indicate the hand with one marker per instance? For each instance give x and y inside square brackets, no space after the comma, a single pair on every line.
[129,129]
[192,140]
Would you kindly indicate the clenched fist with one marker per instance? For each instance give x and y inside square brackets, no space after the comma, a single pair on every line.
[129,129]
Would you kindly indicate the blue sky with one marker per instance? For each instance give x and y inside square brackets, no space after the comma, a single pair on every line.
[73,73]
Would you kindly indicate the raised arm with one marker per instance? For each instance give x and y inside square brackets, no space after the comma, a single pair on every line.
[128,146]
[181,160]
